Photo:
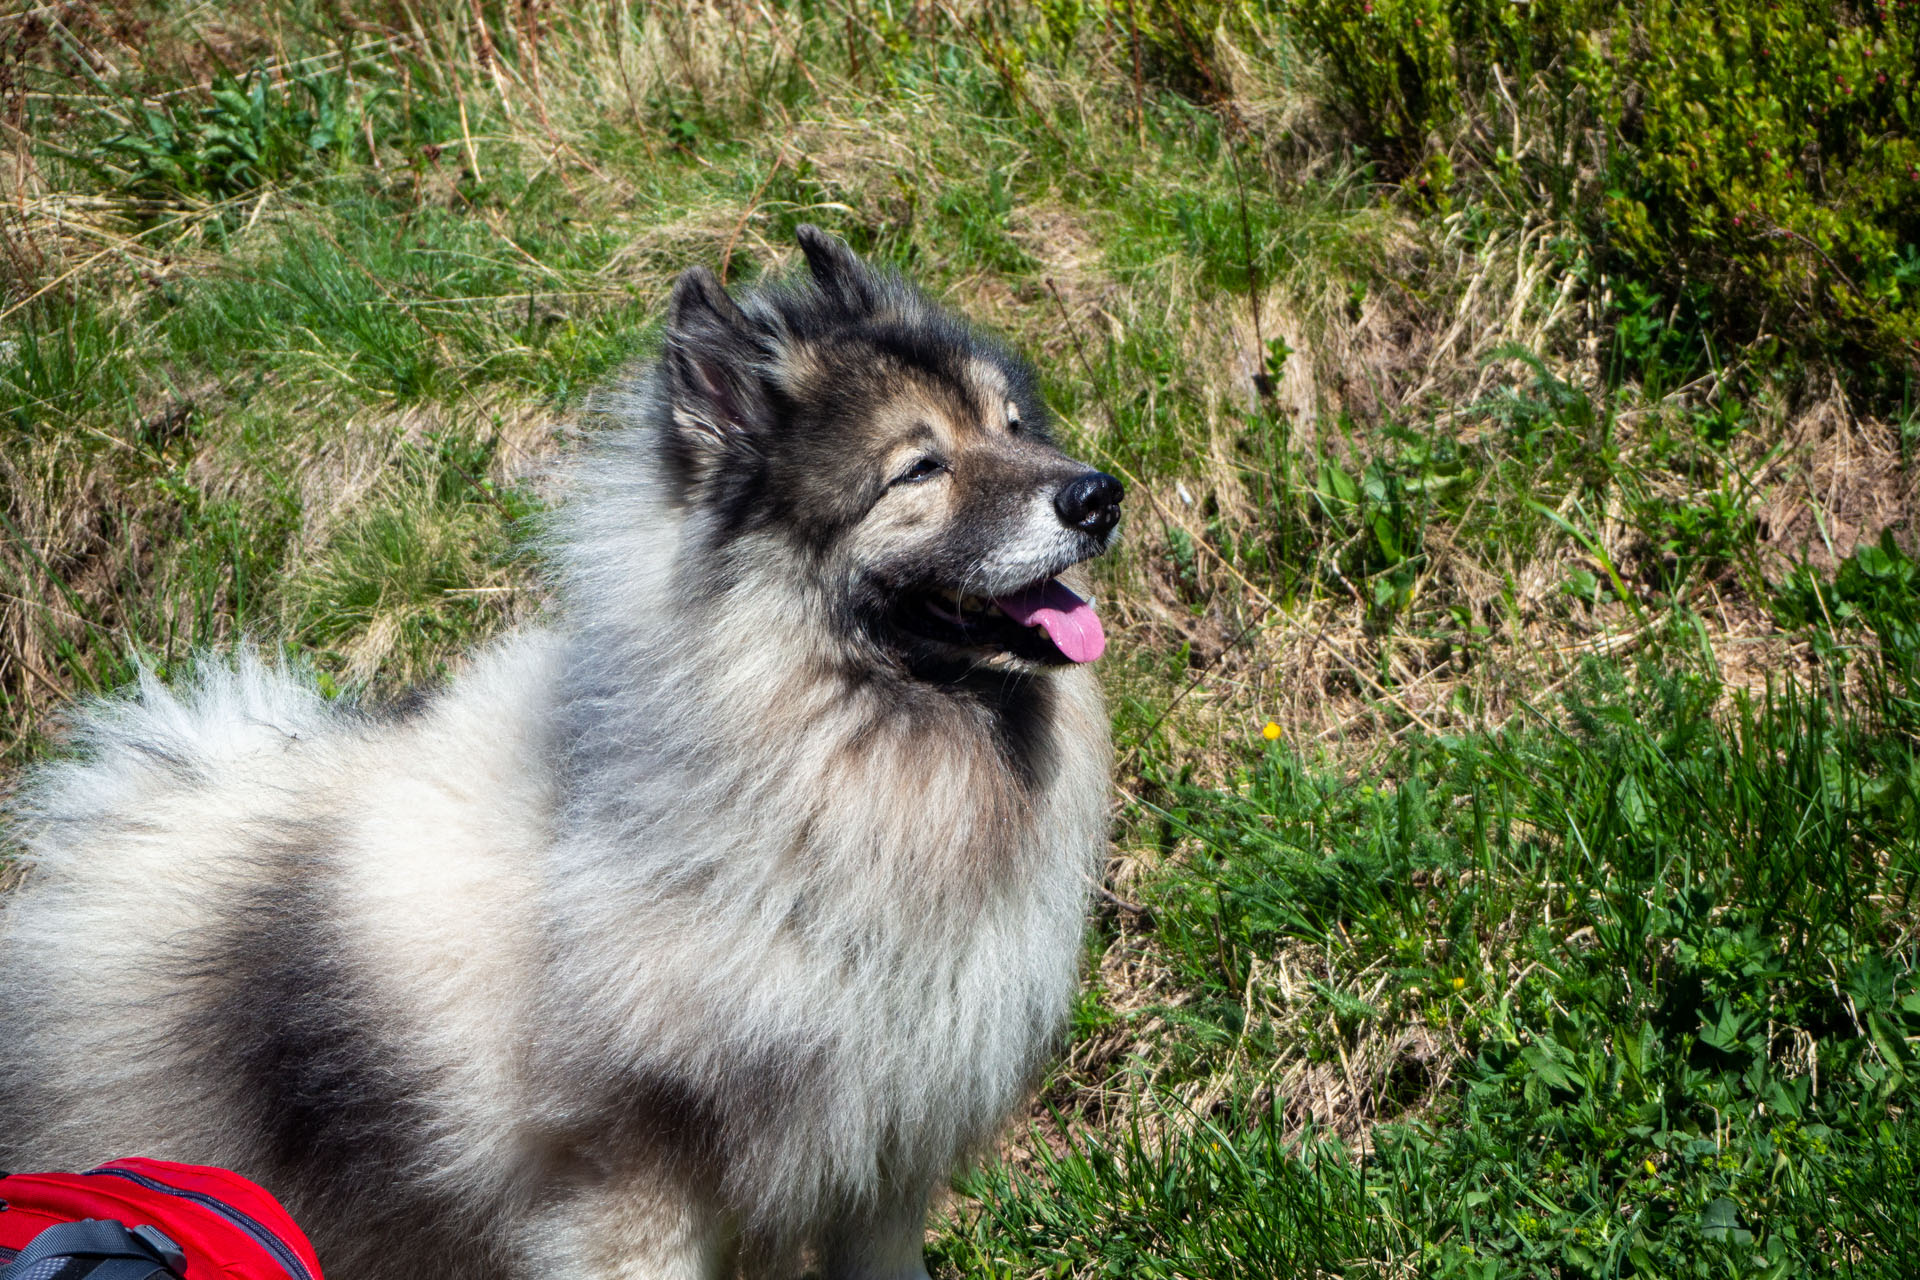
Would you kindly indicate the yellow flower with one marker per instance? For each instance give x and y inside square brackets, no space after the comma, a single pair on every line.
[1651,1171]
[1459,983]
[1271,731]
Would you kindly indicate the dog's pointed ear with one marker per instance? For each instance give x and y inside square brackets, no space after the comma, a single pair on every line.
[712,360]
[837,269]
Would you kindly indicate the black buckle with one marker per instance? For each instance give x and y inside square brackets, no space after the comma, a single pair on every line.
[167,1251]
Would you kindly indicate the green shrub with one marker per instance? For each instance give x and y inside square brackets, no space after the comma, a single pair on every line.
[1760,175]
[1406,68]
[1876,590]
[1768,149]
[1177,40]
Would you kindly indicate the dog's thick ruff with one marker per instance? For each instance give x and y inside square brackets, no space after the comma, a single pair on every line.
[709,927]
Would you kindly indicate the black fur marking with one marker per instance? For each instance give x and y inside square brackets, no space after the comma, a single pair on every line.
[717,402]
[1023,715]
[662,1115]
[936,345]
[675,1121]
[841,276]
[409,704]
[297,1031]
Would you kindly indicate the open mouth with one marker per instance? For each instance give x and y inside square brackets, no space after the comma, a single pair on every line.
[1044,622]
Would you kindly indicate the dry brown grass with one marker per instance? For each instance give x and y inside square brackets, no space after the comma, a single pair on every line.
[1332,1079]
[1832,482]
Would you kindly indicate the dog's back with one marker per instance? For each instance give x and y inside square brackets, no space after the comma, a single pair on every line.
[252,933]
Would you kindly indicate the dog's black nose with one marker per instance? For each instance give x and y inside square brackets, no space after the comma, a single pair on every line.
[1090,501]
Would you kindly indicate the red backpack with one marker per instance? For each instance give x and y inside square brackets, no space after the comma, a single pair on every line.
[147,1219]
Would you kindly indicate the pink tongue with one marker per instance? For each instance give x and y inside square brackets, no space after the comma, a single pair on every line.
[1069,621]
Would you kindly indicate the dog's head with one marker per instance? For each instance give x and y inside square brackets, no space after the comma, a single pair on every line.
[903,459]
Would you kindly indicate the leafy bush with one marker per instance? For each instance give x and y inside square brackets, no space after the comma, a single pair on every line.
[1405,68]
[1768,148]
[1761,168]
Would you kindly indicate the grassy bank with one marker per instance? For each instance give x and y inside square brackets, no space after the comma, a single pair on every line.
[1514,648]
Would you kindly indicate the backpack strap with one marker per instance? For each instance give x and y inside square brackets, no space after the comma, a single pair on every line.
[143,1253]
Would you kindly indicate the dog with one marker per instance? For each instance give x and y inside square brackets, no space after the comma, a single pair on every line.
[705,929]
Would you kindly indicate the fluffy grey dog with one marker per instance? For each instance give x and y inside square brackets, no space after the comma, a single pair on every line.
[702,932]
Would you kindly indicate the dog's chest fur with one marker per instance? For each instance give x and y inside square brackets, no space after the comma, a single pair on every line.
[798,933]
[879,901]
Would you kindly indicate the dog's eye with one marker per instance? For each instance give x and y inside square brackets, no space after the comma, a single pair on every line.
[922,469]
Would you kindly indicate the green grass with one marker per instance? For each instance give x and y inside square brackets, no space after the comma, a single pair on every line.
[1566,929]
[1673,951]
